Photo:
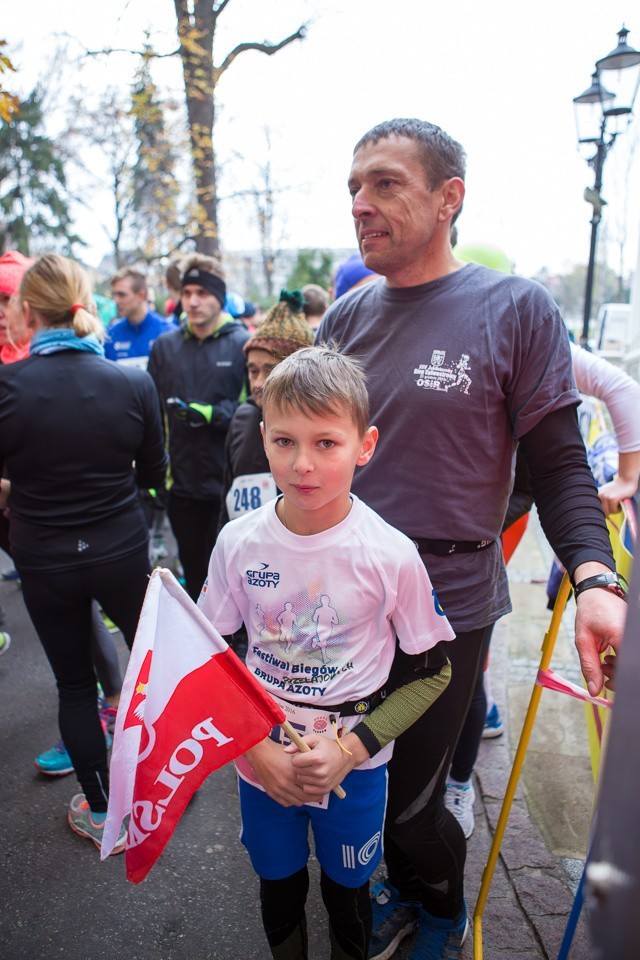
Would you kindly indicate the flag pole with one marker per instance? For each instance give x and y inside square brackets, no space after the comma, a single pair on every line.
[304,747]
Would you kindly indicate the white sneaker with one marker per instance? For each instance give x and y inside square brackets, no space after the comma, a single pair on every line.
[458,799]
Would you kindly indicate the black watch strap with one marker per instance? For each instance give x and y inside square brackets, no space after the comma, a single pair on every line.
[605,581]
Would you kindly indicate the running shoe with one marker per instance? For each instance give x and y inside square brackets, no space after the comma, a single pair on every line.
[393,920]
[81,821]
[493,725]
[55,762]
[11,575]
[107,718]
[440,939]
[5,642]
[458,800]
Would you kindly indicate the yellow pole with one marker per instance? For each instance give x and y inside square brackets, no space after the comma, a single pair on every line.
[548,645]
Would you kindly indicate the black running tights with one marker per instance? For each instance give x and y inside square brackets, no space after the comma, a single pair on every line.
[59,604]
[425,848]
[283,917]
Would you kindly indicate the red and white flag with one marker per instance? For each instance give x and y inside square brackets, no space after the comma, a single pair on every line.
[188,706]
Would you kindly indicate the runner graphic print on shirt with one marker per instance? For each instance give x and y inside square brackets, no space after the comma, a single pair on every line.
[325,618]
[287,621]
[438,376]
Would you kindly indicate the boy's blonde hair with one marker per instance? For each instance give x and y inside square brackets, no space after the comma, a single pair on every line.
[319,380]
[59,291]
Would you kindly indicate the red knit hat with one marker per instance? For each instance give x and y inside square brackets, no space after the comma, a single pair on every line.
[13,266]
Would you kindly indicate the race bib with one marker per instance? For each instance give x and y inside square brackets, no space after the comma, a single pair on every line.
[248,492]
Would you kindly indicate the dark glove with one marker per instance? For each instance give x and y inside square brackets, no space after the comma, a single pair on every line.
[194,413]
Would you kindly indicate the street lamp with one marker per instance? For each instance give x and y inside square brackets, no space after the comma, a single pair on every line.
[602,112]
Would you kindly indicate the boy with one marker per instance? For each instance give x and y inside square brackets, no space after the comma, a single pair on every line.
[317,547]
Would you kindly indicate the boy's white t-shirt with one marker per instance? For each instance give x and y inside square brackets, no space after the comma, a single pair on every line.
[322,612]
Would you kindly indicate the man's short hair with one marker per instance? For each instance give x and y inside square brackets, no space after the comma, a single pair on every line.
[201,262]
[137,278]
[172,275]
[316,300]
[442,156]
[319,380]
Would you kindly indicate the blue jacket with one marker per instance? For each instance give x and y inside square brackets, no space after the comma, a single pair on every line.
[130,341]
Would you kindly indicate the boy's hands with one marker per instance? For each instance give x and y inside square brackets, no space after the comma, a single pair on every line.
[275,769]
[292,778]
[326,764]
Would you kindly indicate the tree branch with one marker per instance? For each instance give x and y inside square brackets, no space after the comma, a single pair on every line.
[268,48]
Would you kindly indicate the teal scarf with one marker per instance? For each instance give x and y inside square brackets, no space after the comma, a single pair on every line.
[63,338]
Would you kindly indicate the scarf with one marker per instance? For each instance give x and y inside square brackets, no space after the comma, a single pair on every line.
[63,338]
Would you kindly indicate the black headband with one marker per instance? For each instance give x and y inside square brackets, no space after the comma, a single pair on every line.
[209,281]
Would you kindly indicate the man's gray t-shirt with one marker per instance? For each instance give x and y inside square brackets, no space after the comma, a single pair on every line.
[458,369]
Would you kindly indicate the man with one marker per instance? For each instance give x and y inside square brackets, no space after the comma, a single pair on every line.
[200,374]
[130,339]
[462,363]
[316,301]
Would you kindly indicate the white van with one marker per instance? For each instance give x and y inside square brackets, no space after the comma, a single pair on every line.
[613,331]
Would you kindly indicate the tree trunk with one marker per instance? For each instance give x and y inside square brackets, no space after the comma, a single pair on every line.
[196,53]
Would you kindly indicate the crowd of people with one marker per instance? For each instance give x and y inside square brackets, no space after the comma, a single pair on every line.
[325,444]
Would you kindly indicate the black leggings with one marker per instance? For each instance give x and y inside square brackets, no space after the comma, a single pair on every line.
[59,604]
[283,917]
[466,752]
[425,848]
[194,524]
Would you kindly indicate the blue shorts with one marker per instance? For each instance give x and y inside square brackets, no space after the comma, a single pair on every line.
[347,835]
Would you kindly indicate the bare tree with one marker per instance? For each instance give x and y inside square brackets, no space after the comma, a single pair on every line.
[197,21]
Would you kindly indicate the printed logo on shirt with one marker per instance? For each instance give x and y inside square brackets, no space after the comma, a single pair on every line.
[122,345]
[263,577]
[223,363]
[437,375]
[82,546]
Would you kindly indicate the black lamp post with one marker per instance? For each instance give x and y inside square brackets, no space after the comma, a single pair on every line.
[601,114]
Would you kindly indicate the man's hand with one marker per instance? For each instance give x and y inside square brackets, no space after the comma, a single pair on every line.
[194,413]
[600,619]
[326,764]
[624,484]
[613,493]
[275,769]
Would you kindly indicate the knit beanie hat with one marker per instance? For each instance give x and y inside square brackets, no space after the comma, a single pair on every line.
[285,328]
[13,266]
[352,271]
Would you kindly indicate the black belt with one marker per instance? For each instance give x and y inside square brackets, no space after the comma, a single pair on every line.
[443,548]
[349,708]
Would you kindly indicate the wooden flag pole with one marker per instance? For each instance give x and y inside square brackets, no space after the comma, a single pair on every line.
[295,737]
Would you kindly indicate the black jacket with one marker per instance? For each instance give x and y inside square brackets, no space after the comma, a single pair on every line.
[210,371]
[71,426]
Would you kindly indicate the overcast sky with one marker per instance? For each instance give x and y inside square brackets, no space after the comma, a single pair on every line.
[499,76]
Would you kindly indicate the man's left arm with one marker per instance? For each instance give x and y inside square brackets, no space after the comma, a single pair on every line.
[572,519]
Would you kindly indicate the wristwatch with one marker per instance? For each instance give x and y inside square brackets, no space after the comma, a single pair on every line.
[606,581]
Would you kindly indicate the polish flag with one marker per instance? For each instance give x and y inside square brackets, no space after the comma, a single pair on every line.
[188,706]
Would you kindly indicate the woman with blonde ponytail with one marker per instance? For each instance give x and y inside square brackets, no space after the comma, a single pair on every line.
[78,436]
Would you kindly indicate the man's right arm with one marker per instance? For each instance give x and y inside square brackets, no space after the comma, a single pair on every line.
[572,519]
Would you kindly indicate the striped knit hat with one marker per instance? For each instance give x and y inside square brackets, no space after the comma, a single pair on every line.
[285,328]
